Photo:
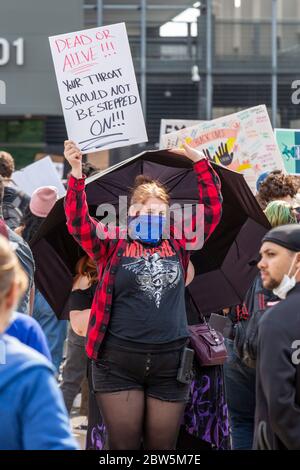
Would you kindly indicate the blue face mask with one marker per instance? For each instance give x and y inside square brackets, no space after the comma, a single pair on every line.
[146,228]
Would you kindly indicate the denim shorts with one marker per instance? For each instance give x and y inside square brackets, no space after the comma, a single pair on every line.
[125,365]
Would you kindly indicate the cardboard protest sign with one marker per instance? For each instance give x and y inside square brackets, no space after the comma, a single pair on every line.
[98,89]
[59,168]
[40,173]
[242,141]
[288,141]
[173,125]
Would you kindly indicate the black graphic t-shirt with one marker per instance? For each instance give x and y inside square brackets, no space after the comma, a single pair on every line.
[148,299]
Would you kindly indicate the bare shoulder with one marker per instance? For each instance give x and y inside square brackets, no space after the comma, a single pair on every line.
[81,282]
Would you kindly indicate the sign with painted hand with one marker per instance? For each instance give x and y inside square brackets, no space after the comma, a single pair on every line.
[288,141]
[98,89]
[242,142]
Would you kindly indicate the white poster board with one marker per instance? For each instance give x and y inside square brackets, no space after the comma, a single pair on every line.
[40,173]
[59,168]
[98,89]
[167,126]
[242,142]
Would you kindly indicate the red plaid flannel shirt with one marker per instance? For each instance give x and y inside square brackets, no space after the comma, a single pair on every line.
[107,252]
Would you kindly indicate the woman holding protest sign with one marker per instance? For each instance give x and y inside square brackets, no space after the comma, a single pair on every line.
[138,326]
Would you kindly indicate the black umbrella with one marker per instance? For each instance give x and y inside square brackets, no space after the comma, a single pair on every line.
[224,268]
[221,266]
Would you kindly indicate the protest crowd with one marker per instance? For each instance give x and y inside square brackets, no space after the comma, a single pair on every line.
[152,305]
[124,342]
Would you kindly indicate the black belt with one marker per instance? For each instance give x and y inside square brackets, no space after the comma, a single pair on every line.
[127,345]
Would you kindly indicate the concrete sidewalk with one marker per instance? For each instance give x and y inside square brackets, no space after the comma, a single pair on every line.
[80,435]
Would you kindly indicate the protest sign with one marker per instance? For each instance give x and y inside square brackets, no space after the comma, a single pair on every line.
[40,173]
[173,125]
[98,89]
[288,141]
[242,141]
[59,168]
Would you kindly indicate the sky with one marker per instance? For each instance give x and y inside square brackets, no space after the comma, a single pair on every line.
[178,25]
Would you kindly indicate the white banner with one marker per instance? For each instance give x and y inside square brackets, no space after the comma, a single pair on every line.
[98,89]
[40,173]
[173,125]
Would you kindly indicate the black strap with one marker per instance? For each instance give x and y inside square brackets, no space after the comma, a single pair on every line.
[200,314]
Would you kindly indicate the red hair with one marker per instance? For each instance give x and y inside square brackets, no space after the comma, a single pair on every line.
[86,267]
[146,187]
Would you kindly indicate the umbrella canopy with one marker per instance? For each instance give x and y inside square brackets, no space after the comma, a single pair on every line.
[221,266]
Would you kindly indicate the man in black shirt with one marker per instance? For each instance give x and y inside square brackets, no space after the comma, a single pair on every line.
[277,417]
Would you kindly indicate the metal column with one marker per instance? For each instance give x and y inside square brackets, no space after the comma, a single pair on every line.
[143,52]
[274,63]
[99,12]
[208,59]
